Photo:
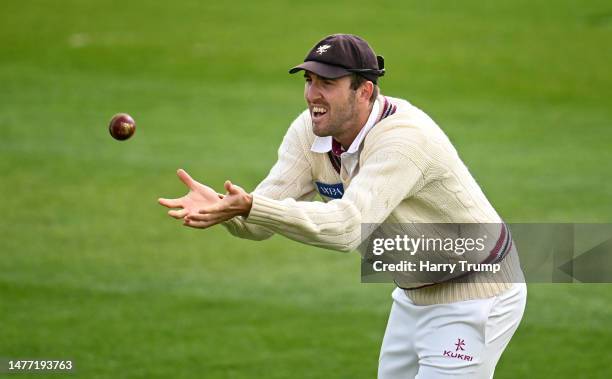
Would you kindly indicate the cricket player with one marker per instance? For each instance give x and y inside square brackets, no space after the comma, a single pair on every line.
[375,159]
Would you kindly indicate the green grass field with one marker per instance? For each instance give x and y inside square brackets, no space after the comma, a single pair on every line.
[91,267]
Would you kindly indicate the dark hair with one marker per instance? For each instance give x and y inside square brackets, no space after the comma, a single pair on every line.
[356,82]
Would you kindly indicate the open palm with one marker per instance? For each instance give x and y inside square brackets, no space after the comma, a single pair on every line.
[199,196]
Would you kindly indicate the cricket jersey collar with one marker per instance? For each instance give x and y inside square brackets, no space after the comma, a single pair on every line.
[325,144]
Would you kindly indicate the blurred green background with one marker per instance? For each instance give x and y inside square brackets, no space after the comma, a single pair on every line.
[91,267]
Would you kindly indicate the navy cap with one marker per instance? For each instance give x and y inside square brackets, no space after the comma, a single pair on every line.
[339,55]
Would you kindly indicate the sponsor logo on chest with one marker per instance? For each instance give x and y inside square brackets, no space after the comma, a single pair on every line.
[333,191]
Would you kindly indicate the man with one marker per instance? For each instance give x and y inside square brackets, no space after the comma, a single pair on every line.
[376,159]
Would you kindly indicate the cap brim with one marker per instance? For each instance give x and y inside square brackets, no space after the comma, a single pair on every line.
[321,69]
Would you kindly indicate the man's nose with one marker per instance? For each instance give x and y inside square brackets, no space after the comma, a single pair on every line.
[312,93]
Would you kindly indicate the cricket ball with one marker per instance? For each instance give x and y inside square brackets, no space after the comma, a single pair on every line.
[121,126]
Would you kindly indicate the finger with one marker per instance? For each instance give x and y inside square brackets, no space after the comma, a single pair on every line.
[212,209]
[170,203]
[197,224]
[228,186]
[221,196]
[185,178]
[232,189]
[198,217]
[178,214]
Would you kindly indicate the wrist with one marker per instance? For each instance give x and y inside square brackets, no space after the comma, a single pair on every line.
[248,204]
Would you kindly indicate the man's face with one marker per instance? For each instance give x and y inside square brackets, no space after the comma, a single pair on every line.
[331,103]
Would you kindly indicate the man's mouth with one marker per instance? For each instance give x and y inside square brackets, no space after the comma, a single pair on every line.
[317,113]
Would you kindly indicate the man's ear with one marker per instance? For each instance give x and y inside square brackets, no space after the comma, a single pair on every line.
[366,90]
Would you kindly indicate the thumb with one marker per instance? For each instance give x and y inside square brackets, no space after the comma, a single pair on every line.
[185,178]
[231,189]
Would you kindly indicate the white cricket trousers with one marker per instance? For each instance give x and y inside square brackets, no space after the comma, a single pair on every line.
[456,340]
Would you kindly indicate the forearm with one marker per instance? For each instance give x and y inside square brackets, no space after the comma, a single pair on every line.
[241,229]
[334,225]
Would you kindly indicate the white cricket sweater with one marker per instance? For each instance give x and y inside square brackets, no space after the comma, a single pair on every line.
[408,172]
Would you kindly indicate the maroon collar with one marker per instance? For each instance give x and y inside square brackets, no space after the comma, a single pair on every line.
[334,155]
[387,110]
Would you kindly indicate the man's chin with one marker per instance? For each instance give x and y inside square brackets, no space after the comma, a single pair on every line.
[320,130]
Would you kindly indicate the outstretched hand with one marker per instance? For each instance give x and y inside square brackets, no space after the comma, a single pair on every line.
[203,207]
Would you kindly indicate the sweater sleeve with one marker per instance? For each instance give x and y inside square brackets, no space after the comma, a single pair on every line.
[289,178]
[391,171]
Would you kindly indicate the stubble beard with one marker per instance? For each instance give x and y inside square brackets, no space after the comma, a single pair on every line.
[338,119]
